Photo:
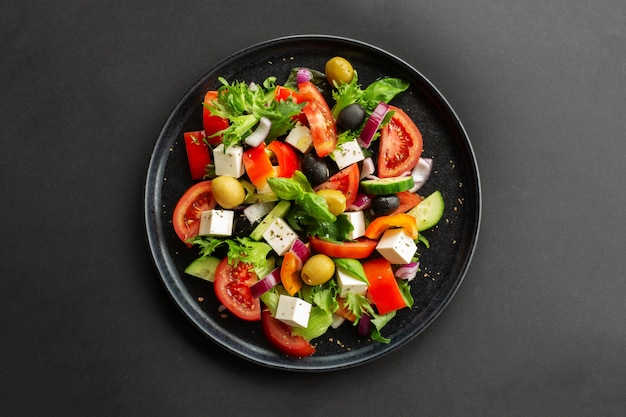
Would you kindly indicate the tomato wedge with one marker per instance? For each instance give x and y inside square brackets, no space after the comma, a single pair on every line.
[279,335]
[383,289]
[346,181]
[198,154]
[400,145]
[361,248]
[188,210]
[232,288]
[286,157]
[212,124]
[320,119]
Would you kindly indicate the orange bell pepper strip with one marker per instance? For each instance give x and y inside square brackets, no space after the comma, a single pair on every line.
[378,226]
[290,273]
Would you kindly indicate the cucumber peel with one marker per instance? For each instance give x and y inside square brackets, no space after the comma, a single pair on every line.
[384,186]
[429,211]
[279,210]
[203,268]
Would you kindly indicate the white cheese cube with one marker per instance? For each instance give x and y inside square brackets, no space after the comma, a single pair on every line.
[348,153]
[280,236]
[229,163]
[349,284]
[255,212]
[293,311]
[217,222]
[396,246]
[337,321]
[357,218]
[300,138]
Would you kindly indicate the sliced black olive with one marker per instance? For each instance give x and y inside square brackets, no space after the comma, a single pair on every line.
[241,225]
[351,117]
[383,205]
[315,169]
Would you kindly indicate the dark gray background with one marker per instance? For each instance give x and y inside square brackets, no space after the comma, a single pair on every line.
[537,328]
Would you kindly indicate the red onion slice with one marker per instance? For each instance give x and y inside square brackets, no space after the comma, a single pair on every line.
[258,136]
[301,250]
[361,202]
[372,124]
[267,283]
[421,172]
[408,271]
[303,75]
[368,167]
[365,325]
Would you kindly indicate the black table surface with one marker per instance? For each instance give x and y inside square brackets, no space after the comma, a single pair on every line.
[537,327]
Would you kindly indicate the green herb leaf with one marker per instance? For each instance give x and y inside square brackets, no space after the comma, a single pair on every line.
[352,267]
[285,188]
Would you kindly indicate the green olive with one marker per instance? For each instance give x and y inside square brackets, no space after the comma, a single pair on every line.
[338,71]
[335,199]
[317,270]
[228,192]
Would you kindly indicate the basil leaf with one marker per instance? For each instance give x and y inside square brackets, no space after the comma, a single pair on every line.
[353,267]
[316,206]
[285,188]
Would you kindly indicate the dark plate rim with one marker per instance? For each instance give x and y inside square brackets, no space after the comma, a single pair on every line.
[168,272]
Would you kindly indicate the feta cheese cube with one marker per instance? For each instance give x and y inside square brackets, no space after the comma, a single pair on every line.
[293,311]
[347,154]
[300,138]
[229,163]
[255,212]
[217,222]
[280,236]
[357,218]
[396,246]
[349,284]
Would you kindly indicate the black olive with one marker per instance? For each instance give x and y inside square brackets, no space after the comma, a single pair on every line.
[383,205]
[241,225]
[351,117]
[315,169]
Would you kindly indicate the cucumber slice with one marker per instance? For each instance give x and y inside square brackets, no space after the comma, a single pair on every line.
[279,210]
[429,211]
[203,268]
[387,185]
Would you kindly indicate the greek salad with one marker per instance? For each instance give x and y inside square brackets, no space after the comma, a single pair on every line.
[304,207]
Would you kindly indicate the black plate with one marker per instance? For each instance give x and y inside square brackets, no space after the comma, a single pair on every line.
[455,175]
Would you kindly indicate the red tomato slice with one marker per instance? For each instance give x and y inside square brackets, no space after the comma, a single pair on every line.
[188,210]
[346,181]
[361,248]
[383,289]
[212,124]
[232,287]
[400,145]
[408,200]
[198,154]
[320,118]
[286,157]
[279,335]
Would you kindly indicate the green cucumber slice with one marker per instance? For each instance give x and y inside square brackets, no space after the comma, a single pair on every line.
[279,210]
[203,268]
[429,211]
[383,186]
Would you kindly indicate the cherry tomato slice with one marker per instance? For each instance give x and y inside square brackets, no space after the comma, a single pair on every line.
[232,288]
[279,335]
[188,210]
[400,145]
